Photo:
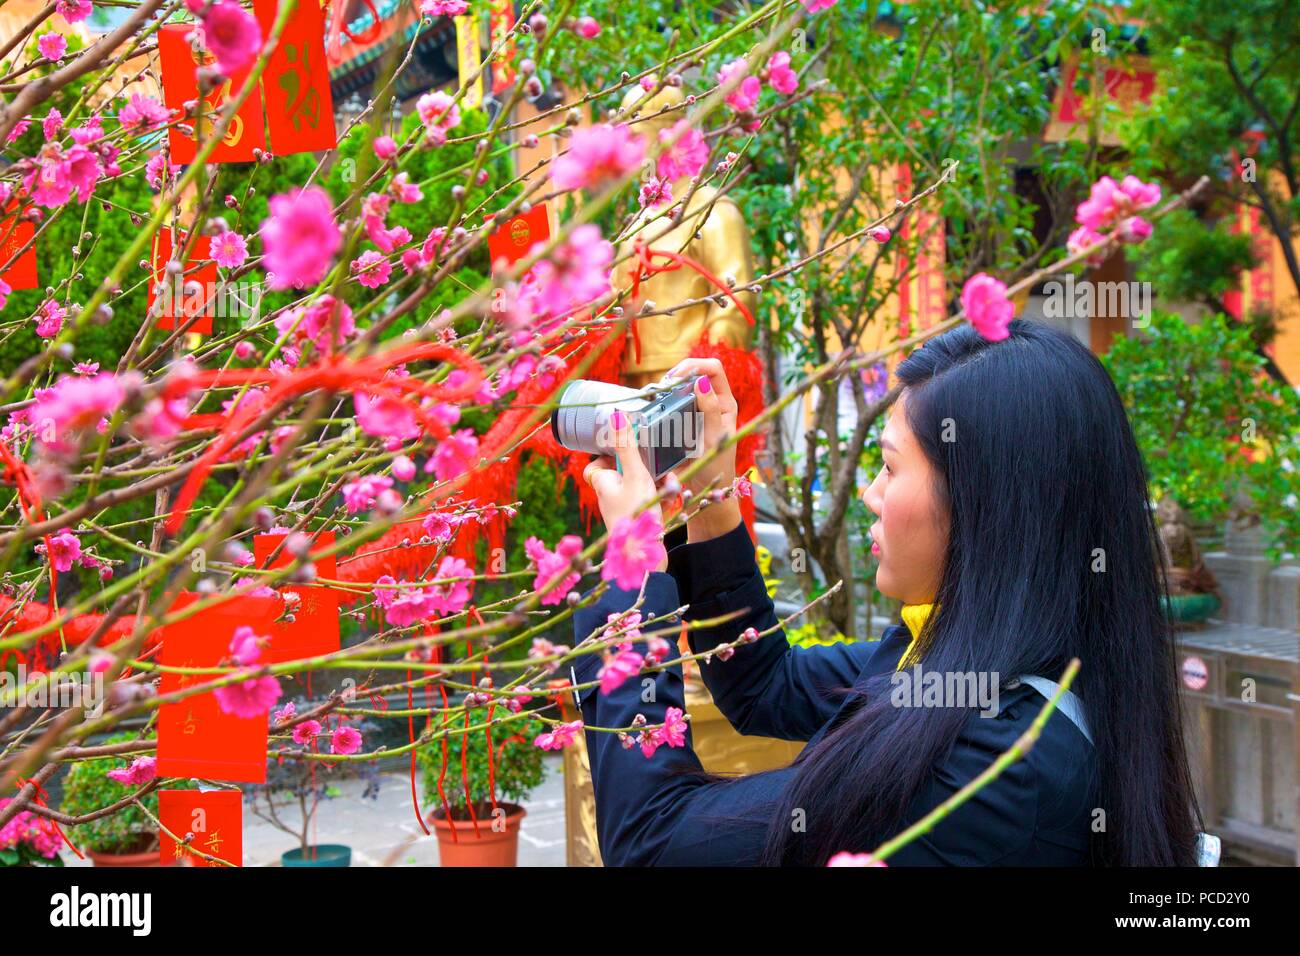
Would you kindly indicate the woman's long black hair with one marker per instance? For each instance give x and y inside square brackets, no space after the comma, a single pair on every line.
[1052,555]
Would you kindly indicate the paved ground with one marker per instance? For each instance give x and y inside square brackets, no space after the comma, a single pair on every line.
[384,832]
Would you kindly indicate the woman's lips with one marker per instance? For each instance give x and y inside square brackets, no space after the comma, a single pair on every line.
[875,542]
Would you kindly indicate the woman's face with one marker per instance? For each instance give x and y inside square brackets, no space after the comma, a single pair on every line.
[910,535]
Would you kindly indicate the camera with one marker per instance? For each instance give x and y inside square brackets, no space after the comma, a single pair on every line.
[667,425]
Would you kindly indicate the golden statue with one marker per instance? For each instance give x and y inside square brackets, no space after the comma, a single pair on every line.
[713,233]
[1187,571]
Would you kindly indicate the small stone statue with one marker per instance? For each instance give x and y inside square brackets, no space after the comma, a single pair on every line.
[1187,571]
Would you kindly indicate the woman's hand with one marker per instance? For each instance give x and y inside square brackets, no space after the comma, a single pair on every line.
[623,486]
[717,405]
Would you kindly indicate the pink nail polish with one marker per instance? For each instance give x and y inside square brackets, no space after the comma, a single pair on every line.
[705,385]
[617,419]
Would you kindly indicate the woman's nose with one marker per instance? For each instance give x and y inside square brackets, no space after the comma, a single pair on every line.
[870,496]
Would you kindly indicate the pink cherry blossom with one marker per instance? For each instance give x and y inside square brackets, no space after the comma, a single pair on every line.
[316,322]
[385,416]
[439,113]
[984,300]
[65,549]
[439,526]
[57,174]
[288,710]
[306,732]
[437,8]
[880,234]
[345,740]
[4,293]
[360,495]
[587,28]
[246,646]
[156,167]
[232,35]
[553,565]
[249,698]
[1134,229]
[385,147]
[815,6]
[300,237]
[372,269]
[52,46]
[403,468]
[228,250]
[558,738]
[656,192]
[141,771]
[685,151]
[782,79]
[634,549]
[451,596]
[845,858]
[743,96]
[74,11]
[597,154]
[49,319]
[619,666]
[576,274]
[673,732]
[1109,202]
[455,455]
[143,113]
[73,404]
[1083,238]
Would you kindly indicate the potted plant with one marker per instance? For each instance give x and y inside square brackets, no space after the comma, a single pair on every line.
[125,838]
[483,829]
[29,840]
[292,794]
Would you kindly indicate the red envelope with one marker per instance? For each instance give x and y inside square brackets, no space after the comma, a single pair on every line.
[264,546]
[515,237]
[180,302]
[296,83]
[180,84]
[215,817]
[195,737]
[315,627]
[22,274]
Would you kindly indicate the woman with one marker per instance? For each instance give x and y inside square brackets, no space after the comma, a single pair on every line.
[1012,522]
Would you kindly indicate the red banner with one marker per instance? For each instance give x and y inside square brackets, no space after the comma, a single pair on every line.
[214,817]
[315,626]
[501,17]
[176,296]
[22,274]
[196,738]
[180,84]
[296,83]
[514,238]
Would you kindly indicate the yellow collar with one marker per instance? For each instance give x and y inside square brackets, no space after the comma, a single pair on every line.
[914,616]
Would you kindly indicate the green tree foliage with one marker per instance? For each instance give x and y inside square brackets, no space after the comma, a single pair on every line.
[1211,424]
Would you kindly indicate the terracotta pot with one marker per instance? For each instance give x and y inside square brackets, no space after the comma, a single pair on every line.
[489,848]
[149,858]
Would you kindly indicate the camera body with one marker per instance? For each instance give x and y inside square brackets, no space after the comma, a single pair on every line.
[668,426]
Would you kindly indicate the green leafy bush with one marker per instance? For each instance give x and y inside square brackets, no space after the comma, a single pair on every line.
[517,766]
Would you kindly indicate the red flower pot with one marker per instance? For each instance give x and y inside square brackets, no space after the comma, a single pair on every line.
[489,847]
[149,858]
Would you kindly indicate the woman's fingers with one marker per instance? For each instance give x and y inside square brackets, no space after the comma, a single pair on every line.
[628,451]
[716,376]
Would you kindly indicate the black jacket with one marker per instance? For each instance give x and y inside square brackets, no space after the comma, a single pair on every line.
[652,811]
